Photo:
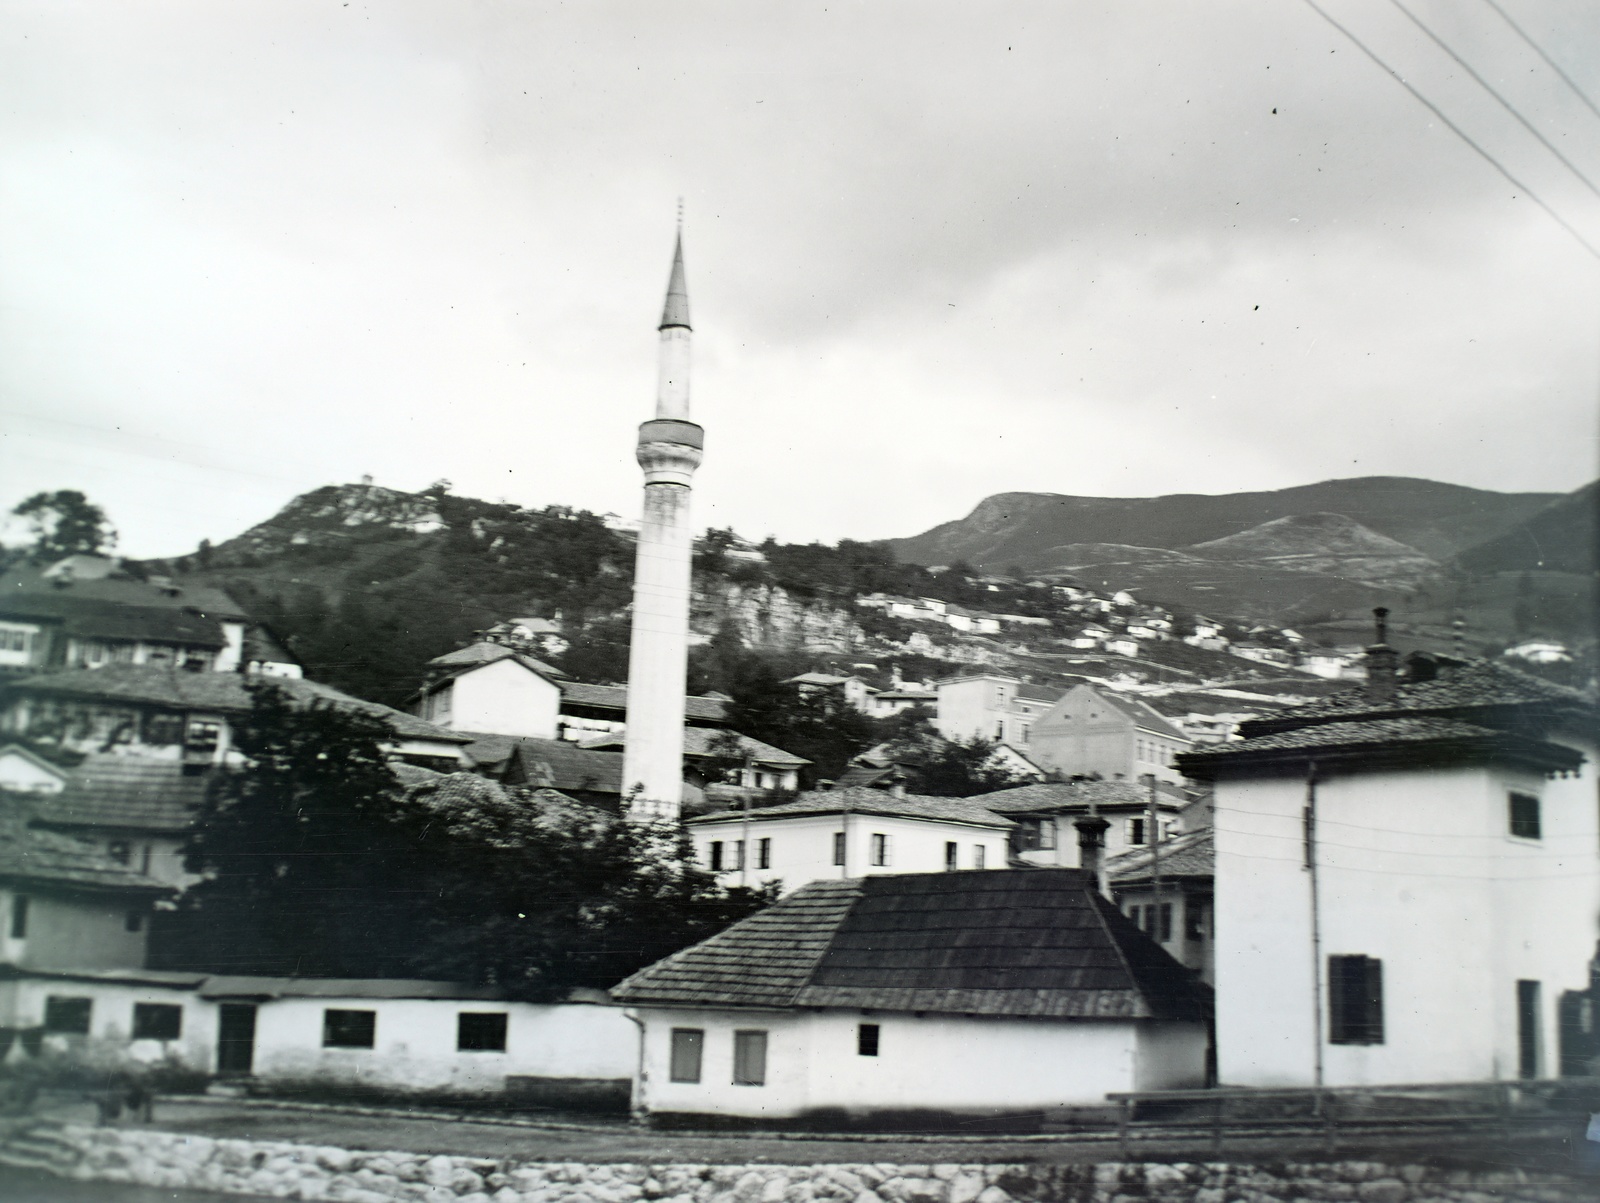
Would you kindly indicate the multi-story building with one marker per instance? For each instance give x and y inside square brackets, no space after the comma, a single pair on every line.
[1093,732]
[992,706]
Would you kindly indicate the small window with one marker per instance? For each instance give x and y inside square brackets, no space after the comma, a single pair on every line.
[978,854]
[1525,816]
[348,1029]
[716,856]
[738,854]
[1135,831]
[838,847]
[951,856]
[764,854]
[1355,1000]
[133,921]
[1163,922]
[481,1031]
[1527,1029]
[1194,919]
[749,1058]
[867,1040]
[688,1044]
[880,849]
[1136,916]
[19,916]
[69,1016]
[120,851]
[157,1021]
[1024,730]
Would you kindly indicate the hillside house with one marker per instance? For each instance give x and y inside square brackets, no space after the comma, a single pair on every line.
[849,832]
[400,1035]
[1540,651]
[1044,813]
[852,690]
[991,706]
[63,901]
[1166,889]
[716,759]
[1249,650]
[1123,645]
[24,771]
[1435,835]
[88,612]
[1098,732]
[977,994]
[170,713]
[1335,664]
[890,702]
[971,622]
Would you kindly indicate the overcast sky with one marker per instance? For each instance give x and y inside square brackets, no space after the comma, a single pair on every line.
[935,251]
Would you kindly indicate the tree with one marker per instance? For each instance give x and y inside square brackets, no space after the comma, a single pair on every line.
[66,523]
[316,861]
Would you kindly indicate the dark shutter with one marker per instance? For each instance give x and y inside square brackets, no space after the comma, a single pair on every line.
[750,1058]
[688,1044]
[1355,1000]
[67,1015]
[349,1029]
[481,1031]
[157,1021]
[867,1039]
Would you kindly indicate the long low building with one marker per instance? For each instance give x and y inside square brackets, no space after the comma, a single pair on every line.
[394,1035]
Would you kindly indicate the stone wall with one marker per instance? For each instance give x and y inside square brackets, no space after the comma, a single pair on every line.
[293,1171]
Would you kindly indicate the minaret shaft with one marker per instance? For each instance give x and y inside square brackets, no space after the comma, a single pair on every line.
[658,654]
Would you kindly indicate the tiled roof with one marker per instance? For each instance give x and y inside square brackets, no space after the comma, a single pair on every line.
[333,987]
[1193,854]
[26,591]
[52,858]
[702,741]
[615,697]
[464,659]
[1142,713]
[1015,943]
[1414,741]
[557,763]
[225,693]
[1471,686]
[136,792]
[873,802]
[1038,693]
[1050,797]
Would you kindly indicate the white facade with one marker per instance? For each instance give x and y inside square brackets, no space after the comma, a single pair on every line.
[805,848]
[1417,869]
[502,697]
[939,1063]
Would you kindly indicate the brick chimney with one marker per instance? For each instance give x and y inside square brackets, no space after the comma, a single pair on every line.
[1383,661]
[1092,848]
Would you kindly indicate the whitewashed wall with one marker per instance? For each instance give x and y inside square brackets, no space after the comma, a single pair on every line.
[507,699]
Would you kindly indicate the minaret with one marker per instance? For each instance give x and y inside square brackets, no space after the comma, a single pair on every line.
[658,656]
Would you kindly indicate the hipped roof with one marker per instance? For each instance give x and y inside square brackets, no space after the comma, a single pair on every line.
[1020,943]
[863,801]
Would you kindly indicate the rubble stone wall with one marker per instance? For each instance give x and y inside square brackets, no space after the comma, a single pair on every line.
[307,1172]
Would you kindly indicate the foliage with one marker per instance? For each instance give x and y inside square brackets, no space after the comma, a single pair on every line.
[66,523]
[944,768]
[816,724]
[317,862]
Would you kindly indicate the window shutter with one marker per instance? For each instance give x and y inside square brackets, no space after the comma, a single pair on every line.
[687,1047]
[1373,981]
[750,1058]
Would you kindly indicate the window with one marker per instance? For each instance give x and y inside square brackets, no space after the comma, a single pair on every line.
[1194,920]
[481,1031]
[764,854]
[1525,816]
[1024,730]
[163,729]
[1135,831]
[738,854]
[977,856]
[203,737]
[1163,922]
[880,849]
[716,856]
[867,1040]
[1136,915]
[67,1015]
[749,1058]
[1355,1000]
[951,856]
[133,921]
[838,847]
[120,851]
[19,916]
[687,1046]
[157,1021]
[348,1029]
[1527,1029]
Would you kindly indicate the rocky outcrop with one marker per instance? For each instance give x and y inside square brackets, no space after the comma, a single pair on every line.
[771,618]
[331,515]
[308,1172]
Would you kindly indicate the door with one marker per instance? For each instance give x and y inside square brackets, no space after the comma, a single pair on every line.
[1527,1029]
[236,1038]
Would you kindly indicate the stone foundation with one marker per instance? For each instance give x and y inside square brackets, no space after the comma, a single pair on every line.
[308,1172]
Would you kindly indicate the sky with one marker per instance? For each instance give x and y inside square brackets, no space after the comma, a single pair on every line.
[935,251]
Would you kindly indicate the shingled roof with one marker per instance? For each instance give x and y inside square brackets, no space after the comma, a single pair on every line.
[1193,854]
[1037,943]
[706,741]
[1056,797]
[134,792]
[615,698]
[48,858]
[862,801]
[175,688]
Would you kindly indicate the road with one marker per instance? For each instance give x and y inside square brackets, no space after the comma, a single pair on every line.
[20,1186]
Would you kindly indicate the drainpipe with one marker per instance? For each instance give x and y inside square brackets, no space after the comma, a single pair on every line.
[1310,819]
[639,1108]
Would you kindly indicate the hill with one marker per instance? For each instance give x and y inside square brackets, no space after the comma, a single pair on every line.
[1561,537]
[1026,529]
[1327,544]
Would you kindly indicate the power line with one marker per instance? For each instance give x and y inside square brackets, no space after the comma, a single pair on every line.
[1457,130]
[1489,88]
[1550,62]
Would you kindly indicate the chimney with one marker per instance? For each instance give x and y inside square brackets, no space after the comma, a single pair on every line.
[1092,848]
[1382,661]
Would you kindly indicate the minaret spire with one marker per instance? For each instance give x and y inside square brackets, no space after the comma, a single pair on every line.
[670,448]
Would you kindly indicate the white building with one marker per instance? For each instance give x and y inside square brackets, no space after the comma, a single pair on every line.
[1044,813]
[927,993]
[1099,732]
[1435,837]
[844,833]
[991,706]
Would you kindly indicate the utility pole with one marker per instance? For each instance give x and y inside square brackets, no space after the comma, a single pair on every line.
[744,827]
[1310,821]
[1155,849]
